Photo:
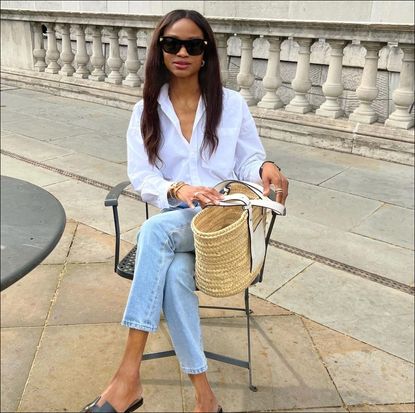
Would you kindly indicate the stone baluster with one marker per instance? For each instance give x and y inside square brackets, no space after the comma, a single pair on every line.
[39,51]
[132,63]
[245,78]
[97,58]
[272,79]
[403,96]
[67,55]
[142,70]
[367,91]
[52,53]
[222,45]
[301,84]
[333,86]
[81,56]
[114,61]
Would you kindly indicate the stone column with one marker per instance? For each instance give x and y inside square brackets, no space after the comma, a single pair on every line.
[301,83]
[52,53]
[142,70]
[97,58]
[81,56]
[272,79]
[333,86]
[222,45]
[39,51]
[367,90]
[132,63]
[114,61]
[403,97]
[67,55]
[245,78]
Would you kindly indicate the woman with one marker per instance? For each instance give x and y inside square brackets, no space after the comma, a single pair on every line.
[185,136]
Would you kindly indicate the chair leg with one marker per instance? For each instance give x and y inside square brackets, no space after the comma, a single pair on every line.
[248,328]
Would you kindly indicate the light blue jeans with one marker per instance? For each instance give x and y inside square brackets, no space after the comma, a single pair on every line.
[164,280]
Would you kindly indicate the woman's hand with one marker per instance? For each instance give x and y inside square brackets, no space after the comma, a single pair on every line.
[202,194]
[271,175]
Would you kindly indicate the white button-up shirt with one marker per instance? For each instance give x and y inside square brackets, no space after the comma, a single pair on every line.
[239,154]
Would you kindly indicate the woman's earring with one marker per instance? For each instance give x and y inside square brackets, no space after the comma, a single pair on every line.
[203,63]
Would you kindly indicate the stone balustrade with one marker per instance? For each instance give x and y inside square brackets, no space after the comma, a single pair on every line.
[106,48]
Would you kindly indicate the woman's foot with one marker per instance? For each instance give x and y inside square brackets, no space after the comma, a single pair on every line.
[121,392]
[207,404]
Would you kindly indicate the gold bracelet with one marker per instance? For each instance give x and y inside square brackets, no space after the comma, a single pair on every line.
[174,187]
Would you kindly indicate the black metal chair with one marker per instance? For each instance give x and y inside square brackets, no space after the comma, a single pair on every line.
[125,268]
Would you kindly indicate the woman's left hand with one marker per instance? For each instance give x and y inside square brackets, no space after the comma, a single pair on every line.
[271,175]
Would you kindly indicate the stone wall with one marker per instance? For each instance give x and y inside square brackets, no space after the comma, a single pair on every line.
[345,11]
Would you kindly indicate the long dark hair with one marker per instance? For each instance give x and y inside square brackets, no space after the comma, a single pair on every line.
[156,74]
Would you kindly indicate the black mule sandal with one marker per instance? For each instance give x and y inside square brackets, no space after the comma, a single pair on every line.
[108,408]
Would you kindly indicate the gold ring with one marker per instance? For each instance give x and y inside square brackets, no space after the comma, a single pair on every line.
[279,190]
[196,194]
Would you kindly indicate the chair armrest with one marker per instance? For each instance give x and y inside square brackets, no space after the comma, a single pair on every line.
[113,195]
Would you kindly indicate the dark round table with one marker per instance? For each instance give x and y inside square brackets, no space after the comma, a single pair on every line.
[32,223]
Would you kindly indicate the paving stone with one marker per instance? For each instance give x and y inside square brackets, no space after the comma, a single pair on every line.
[85,203]
[91,246]
[91,167]
[100,294]
[388,260]
[387,408]
[112,148]
[60,252]
[363,374]
[394,184]
[35,175]
[287,371]
[363,309]
[75,363]
[18,347]
[319,409]
[298,164]
[32,148]
[328,207]
[258,306]
[27,302]
[38,130]
[280,267]
[390,224]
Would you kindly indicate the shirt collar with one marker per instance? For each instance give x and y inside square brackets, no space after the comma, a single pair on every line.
[167,107]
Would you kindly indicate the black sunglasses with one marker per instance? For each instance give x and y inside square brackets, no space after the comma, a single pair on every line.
[172,45]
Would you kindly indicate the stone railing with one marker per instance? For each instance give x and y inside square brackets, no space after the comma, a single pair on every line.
[102,55]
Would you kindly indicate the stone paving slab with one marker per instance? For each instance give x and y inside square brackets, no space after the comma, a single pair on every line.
[112,148]
[394,184]
[92,167]
[18,347]
[21,170]
[328,207]
[300,163]
[280,268]
[31,148]
[60,252]
[391,224]
[388,408]
[26,303]
[388,260]
[76,362]
[363,374]
[370,312]
[85,203]
[38,130]
[92,246]
[100,294]
[287,371]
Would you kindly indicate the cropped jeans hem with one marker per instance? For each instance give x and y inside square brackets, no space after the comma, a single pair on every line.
[194,371]
[138,326]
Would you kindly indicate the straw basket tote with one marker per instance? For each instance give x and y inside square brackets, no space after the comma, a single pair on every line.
[230,238]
